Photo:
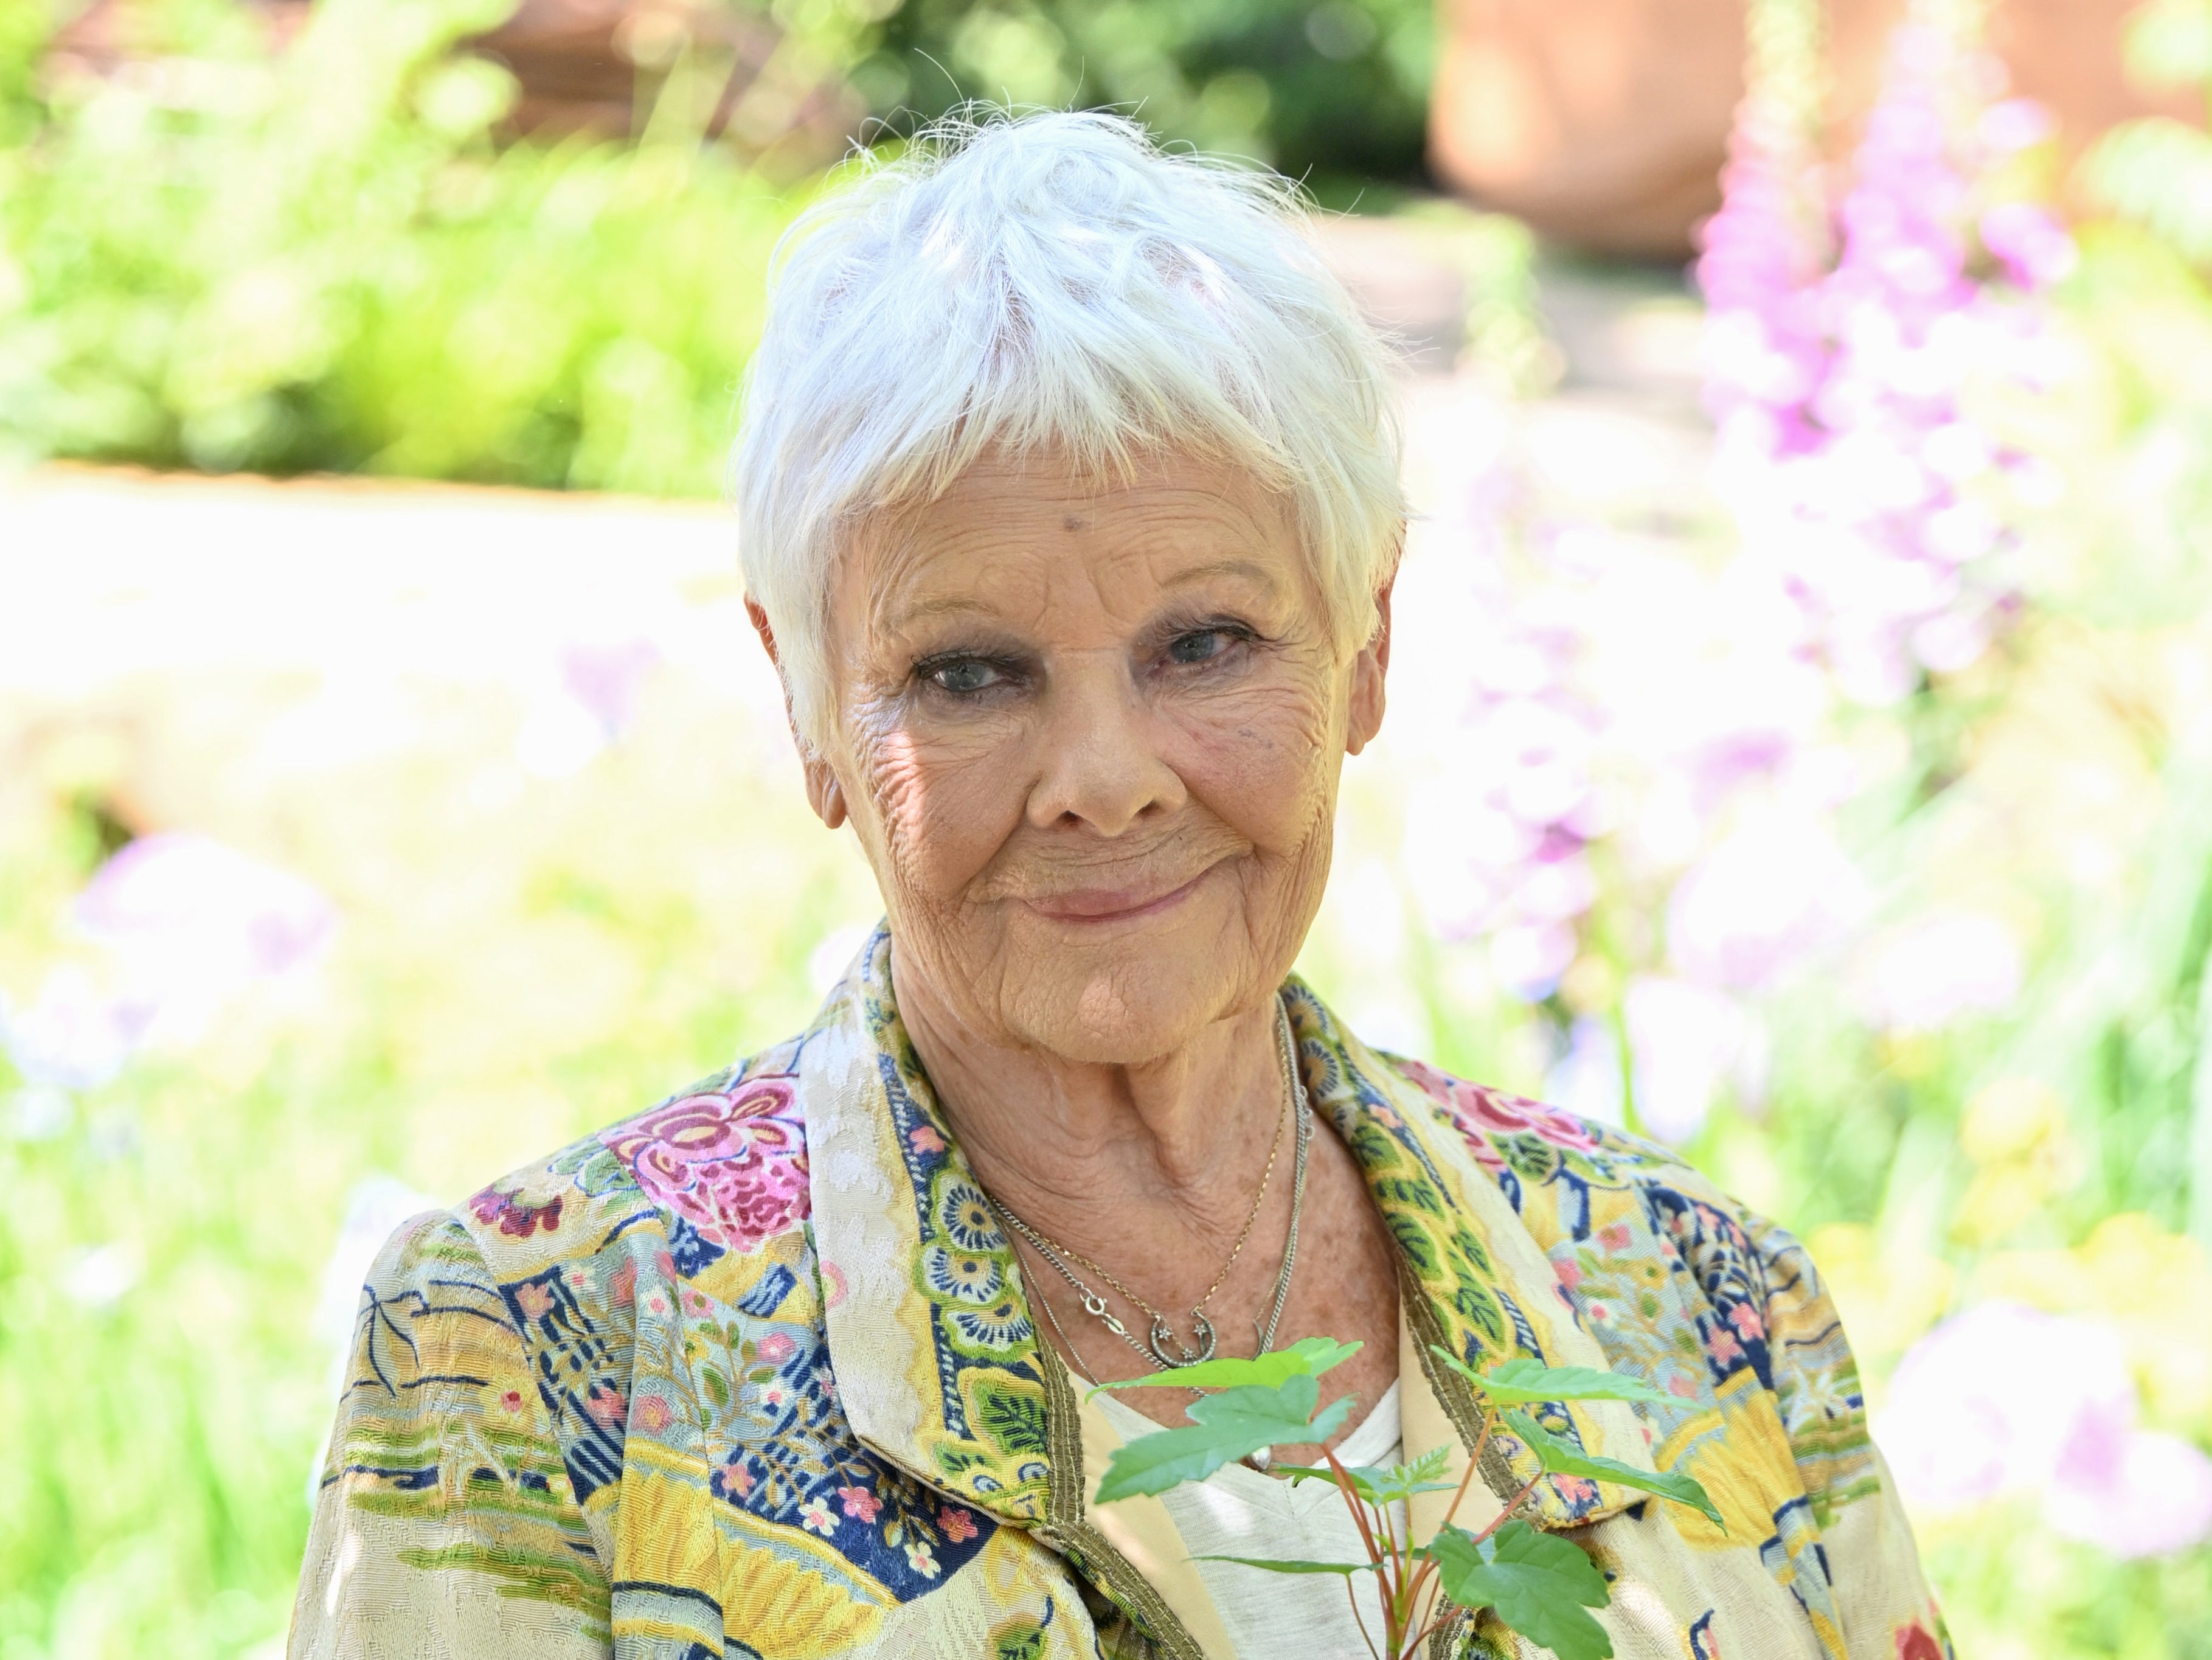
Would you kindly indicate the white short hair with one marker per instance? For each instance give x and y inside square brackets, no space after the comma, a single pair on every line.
[1053,281]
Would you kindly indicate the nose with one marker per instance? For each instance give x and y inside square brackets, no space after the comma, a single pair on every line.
[1103,768]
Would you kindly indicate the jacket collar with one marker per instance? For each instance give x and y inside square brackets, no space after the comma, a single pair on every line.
[939,1366]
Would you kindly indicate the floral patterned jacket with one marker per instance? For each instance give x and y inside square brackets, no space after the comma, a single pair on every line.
[752,1375]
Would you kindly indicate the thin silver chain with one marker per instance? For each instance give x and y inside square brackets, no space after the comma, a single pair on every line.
[1096,1306]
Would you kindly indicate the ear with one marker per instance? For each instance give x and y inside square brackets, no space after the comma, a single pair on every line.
[823,793]
[1368,672]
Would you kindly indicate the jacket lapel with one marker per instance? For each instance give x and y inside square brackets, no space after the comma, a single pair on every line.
[1471,1278]
[938,1364]
[936,1359]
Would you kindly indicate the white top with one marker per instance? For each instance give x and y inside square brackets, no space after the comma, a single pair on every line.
[1237,1511]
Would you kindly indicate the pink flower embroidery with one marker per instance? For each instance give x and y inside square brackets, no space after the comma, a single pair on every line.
[1615,1238]
[1570,1274]
[814,1514]
[924,1139]
[1748,1326]
[1577,1489]
[732,1164]
[1724,1345]
[512,1400]
[694,1303]
[958,1526]
[860,1503]
[535,1301]
[516,1218]
[775,1348]
[1481,1112]
[622,1285]
[1683,1385]
[606,1405]
[652,1414]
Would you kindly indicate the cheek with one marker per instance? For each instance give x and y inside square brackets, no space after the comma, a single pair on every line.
[1265,760]
[942,806]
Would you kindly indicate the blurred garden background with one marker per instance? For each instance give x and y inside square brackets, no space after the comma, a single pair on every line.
[1800,744]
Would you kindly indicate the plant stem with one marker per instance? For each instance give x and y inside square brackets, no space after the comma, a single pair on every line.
[1474,1459]
[1352,1598]
[1511,1505]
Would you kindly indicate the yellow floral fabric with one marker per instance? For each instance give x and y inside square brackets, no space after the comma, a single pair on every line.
[753,1374]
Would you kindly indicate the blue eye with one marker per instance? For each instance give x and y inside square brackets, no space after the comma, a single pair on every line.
[1200,645]
[964,676]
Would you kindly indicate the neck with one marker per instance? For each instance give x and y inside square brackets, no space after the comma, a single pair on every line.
[1095,1155]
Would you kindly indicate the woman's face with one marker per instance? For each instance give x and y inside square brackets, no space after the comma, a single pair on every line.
[1089,734]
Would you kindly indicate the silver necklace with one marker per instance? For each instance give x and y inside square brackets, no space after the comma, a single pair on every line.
[1155,1352]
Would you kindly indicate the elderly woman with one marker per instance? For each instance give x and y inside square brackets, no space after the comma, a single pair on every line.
[1069,515]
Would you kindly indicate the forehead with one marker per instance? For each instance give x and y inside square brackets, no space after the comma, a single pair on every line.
[1015,536]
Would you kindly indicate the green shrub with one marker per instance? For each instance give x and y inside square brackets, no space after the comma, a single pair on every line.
[320,261]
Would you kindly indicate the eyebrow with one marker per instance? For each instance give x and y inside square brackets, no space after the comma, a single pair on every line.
[960,605]
[1249,569]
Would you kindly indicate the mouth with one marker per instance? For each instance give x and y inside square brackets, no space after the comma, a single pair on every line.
[1092,906]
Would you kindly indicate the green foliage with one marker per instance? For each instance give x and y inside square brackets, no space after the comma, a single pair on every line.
[1223,1428]
[1273,1564]
[1379,1486]
[1563,1457]
[1524,1382]
[2168,44]
[1337,87]
[2158,171]
[1538,1583]
[329,265]
[1309,1357]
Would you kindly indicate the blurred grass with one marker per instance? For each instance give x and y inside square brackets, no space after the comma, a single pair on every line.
[507,976]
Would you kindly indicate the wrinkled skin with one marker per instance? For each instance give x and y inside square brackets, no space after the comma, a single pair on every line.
[1088,734]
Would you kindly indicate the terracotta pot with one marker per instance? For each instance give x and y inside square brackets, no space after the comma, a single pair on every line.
[1604,123]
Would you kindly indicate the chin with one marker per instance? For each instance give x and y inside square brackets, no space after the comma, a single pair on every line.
[1129,999]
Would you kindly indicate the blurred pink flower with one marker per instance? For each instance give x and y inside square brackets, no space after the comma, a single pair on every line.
[183,903]
[1939,968]
[76,1036]
[2036,248]
[2136,1492]
[1685,1042]
[189,922]
[604,677]
[2004,1398]
[1984,1404]
[1828,384]
[1768,896]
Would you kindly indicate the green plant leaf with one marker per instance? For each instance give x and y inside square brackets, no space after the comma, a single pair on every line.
[1378,1485]
[1309,1357]
[1563,1457]
[1272,1565]
[1522,1382]
[1225,1428]
[1540,1584]
[718,1391]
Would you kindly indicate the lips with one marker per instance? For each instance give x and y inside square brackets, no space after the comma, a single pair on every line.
[1096,905]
